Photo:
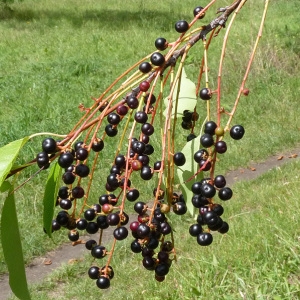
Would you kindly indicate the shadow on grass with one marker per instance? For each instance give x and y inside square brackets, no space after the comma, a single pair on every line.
[105,17]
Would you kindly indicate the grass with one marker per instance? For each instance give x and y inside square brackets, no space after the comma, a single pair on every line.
[55,55]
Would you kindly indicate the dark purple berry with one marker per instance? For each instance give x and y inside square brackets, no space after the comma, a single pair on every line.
[237,132]
[157,59]
[161,44]
[205,94]
[181,26]
[49,145]
[145,67]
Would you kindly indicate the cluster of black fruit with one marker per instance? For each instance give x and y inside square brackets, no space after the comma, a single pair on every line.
[151,228]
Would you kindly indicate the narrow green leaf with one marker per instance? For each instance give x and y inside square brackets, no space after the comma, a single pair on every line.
[5,186]
[187,99]
[12,248]
[187,171]
[8,155]
[50,196]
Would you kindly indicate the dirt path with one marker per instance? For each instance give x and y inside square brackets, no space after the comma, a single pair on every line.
[40,267]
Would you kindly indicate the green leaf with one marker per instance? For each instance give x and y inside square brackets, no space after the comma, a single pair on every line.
[187,171]
[50,196]
[187,99]
[5,186]
[8,155]
[12,248]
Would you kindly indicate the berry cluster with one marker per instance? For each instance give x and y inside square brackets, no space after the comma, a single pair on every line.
[130,112]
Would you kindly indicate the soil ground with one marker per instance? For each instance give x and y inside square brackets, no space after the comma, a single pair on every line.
[40,267]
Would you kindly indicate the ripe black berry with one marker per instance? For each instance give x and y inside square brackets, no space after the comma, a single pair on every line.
[237,132]
[161,44]
[132,195]
[162,269]
[147,129]
[197,10]
[219,181]
[204,238]
[195,229]
[66,159]
[132,102]
[93,272]
[181,26]
[77,192]
[179,208]
[90,214]
[145,67]
[110,130]
[120,233]
[81,154]
[42,160]
[73,235]
[97,145]
[205,94]
[103,282]
[224,228]
[65,204]
[225,193]
[210,127]
[221,147]
[200,155]
[157,59]
[113,118]
[208,190]
[49,145]
[146,173]
[141,117]
[82,170]
[92,228]
[81,224]
[179,159]
[206,140]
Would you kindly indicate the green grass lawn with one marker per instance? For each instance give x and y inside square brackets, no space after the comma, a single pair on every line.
[56,55]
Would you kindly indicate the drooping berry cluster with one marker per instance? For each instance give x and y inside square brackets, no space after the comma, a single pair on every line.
[129,114]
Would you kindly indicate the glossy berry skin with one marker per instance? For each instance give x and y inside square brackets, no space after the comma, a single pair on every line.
[81,154]
[132,195]
[161,44]
[179,159]
[162,269]
[221,147]
[157,165]
[90,214]
[205,94]
[113,219]
[73,235]
[66,159]
[110,130]
[225,193]
[132,102]
[208,190]
[81,224]
[49,145]
[197,10]
[103,282]
[219,181]
[42,160]
[93,272]
[63,192]
[92,228]
[145,67]
[210,127]
[181,26]
[144,86]
[147,129]
[205,165]
[141,117]
[157,59]
[136,247]
[200,155]
[180,208]
[113,118]
[98,251]
[102,222]
[90,244]
[195,229]
[199,201]
[120,233]
[146,173]
[204,239]
[206,140]
[82,170]
[224,228]
[97,145]
[65,204]
[237,132]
